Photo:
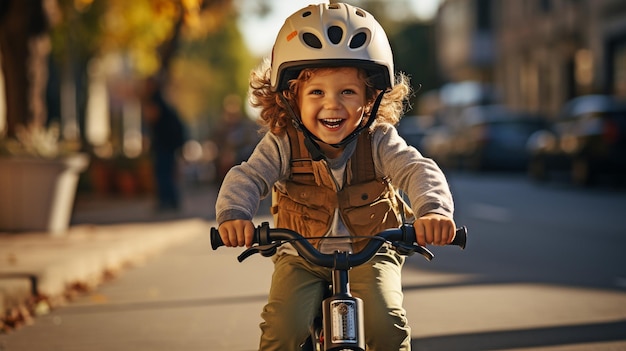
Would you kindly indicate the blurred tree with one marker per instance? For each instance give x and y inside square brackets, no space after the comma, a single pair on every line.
[196,43]
[23,25]
[415,54]
[147,32]
[76,34]
[208,69]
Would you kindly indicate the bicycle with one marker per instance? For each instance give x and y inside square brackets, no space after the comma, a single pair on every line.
[341,324]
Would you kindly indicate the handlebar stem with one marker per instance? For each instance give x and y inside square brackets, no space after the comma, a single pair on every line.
[340,282]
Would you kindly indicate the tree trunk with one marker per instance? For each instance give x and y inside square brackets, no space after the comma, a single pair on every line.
[21,21]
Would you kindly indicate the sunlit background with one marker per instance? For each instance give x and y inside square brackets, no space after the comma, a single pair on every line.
[259,32]
[85,71]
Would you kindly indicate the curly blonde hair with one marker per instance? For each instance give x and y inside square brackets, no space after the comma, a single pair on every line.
[274,115]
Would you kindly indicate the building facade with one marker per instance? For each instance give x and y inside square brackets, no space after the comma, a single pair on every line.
[538,53]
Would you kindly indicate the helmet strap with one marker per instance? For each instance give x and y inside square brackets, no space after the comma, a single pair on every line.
[310,140]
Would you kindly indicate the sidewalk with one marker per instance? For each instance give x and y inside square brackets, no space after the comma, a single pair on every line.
[39,271]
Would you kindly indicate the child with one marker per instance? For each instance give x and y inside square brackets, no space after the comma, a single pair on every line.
[332,158]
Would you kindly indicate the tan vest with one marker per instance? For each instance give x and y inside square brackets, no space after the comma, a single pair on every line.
[307,204]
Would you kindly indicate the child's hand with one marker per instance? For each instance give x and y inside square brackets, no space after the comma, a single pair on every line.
[237,232]
[434,229]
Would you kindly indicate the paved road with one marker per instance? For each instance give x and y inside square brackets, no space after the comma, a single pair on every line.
[545,269]
[524,283]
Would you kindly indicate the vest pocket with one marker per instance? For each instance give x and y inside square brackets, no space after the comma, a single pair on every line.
[369,208]
[304,211]
[372,218]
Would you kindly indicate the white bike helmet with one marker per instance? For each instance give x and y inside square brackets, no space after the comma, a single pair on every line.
[328,35]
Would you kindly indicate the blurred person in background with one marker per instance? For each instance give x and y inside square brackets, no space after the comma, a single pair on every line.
[167,136]
[235,135]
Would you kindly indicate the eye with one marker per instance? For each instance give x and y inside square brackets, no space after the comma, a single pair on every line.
[348,91]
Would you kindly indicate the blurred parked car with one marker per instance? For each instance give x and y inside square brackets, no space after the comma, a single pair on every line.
[494,137]
[437,144]
[588,139]
[413,129]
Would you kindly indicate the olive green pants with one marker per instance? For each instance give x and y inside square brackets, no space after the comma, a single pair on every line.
[297,291]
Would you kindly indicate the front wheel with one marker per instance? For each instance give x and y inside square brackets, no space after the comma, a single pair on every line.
[315,341]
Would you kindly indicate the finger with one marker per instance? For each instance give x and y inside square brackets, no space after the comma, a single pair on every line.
[451,231]
[232,237]
[422,233]
[236,235]
[430,232]
[440,234]
[239,235]
[445,232]
[248,234]
[451,235]
[224,236]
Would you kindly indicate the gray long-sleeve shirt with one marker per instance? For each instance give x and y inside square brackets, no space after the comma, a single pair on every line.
[420,178]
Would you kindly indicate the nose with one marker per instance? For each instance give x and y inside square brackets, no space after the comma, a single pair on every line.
[332,101]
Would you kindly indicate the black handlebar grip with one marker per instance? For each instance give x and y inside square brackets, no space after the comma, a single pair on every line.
[216,239]
[460,238]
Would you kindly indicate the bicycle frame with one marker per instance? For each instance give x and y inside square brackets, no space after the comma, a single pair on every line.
[341,327]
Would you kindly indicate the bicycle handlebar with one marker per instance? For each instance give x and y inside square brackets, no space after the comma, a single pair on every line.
[402,239]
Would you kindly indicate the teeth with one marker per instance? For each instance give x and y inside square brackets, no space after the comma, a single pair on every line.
[332,122]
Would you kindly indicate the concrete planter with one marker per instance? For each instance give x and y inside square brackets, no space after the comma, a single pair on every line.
[38,194]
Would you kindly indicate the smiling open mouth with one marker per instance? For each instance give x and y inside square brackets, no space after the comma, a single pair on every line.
[332,122]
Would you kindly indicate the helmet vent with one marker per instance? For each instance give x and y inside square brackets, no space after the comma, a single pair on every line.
[306,14]
[360,13]
[358,40]
[335,34]
[311,40]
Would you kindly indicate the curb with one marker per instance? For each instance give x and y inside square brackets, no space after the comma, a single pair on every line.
[38,265]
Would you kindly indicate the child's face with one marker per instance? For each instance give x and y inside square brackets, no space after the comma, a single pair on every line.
[331,103]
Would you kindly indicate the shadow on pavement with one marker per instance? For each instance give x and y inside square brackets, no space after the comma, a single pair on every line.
[526,338]
[163,304]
